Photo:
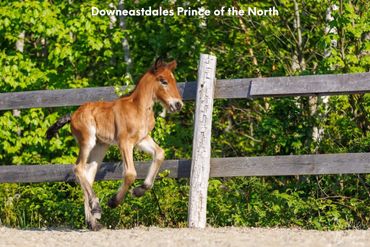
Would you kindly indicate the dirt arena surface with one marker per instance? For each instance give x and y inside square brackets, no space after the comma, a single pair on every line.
[153,237]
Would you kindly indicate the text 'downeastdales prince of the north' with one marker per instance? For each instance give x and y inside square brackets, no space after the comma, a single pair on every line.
[223,11]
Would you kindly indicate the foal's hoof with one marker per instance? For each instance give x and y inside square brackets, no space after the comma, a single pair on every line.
[113,203]
[94,226]
[139,191]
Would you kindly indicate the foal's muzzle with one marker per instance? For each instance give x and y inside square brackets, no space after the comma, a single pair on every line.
[175,105]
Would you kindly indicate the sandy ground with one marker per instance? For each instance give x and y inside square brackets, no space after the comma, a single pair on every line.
[152,237]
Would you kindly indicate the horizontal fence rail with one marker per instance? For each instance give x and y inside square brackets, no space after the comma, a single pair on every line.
[320,164]
[311,85]
[72,97]
[224,89]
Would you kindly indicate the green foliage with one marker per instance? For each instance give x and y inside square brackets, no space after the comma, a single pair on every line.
[321,202]
[65,47]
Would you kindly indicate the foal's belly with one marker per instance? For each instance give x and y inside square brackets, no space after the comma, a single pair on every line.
[112,139]
[106,133]
[107,140]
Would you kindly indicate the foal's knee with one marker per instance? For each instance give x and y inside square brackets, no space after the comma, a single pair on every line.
[159,155]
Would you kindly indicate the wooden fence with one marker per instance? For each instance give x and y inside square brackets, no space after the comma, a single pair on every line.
[202,166]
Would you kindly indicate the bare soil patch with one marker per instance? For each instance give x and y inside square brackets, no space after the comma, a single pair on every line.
[152,236]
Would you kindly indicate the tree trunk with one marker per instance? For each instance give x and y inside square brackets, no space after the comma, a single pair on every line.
[324,100]
[125,44]
[248,42]
[319,131]
[19,46]
[298,61]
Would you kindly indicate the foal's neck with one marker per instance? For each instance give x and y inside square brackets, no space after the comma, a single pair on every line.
[143,95]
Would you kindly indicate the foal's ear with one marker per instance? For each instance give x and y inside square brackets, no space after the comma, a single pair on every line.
[172,65]
[157,64]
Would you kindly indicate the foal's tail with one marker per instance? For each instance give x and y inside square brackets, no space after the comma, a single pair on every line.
[59,124]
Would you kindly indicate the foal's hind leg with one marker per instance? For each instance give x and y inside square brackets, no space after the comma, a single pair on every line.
[85,174]
[149,146]
[95,158]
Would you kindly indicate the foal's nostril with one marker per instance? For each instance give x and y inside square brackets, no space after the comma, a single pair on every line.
[178,106]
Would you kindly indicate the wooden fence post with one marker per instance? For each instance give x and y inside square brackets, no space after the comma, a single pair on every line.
[200,166]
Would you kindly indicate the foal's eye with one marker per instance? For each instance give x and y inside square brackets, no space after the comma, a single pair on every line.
[163,81]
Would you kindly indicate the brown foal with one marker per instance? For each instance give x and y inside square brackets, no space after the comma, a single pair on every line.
[126,122]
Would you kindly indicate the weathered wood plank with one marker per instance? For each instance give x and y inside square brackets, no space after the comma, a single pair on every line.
[54,98]
[64,173]
[72,97]
[346,163]
[233,88]
[311,85]
[200,165]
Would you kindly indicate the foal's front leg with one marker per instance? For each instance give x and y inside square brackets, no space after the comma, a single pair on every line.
[149,146]
[129,173]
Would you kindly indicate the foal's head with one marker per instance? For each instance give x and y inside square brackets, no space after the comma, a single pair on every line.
[165,89]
